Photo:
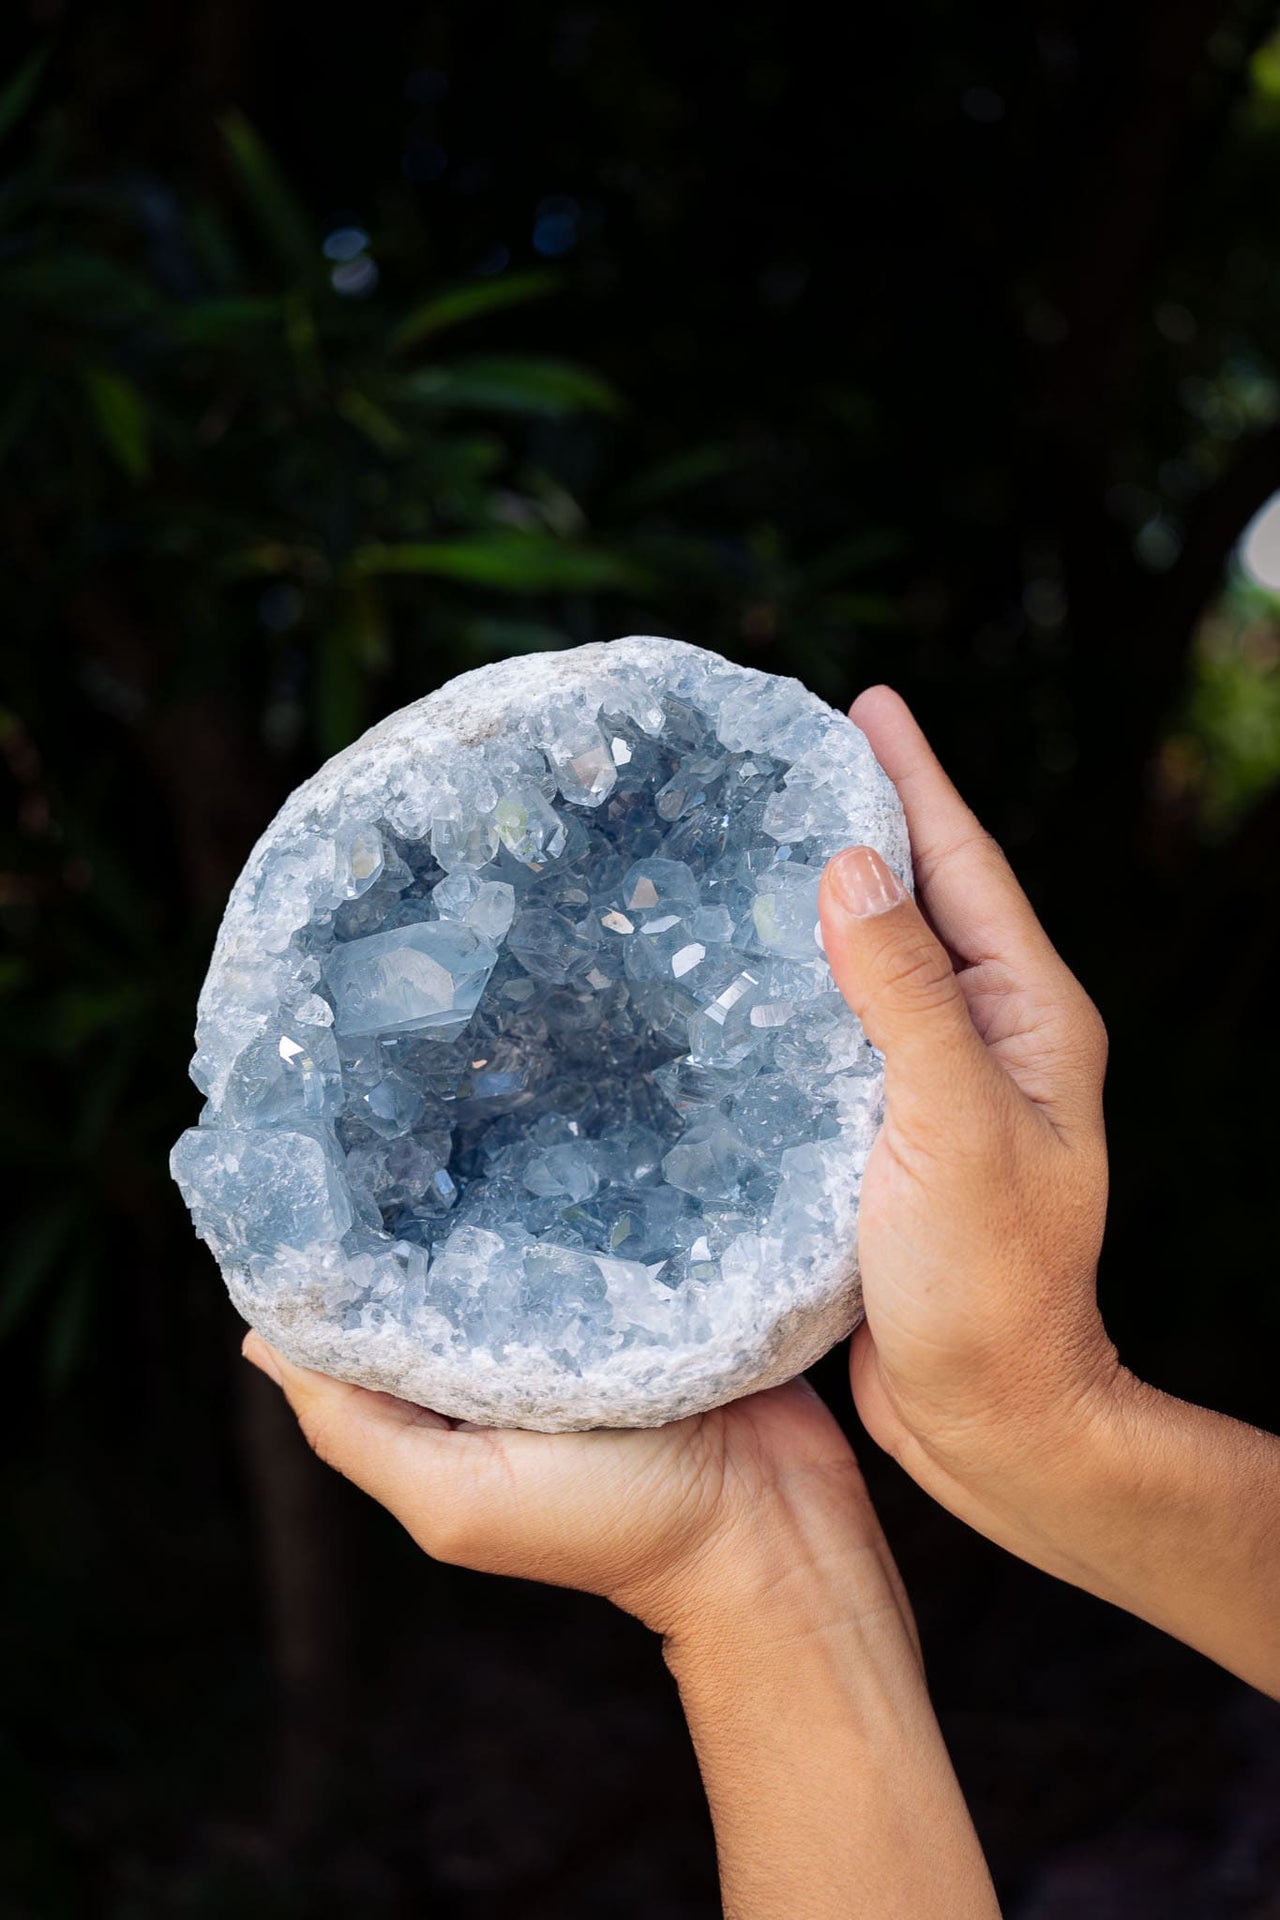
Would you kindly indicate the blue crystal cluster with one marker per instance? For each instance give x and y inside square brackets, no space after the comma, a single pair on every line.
[543,1058]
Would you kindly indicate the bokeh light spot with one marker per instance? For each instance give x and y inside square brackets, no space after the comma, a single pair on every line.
[555,226]
[1259,548]
[344,243]
[355,278]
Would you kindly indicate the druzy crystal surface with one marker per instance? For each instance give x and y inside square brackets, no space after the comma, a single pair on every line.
[529,1094]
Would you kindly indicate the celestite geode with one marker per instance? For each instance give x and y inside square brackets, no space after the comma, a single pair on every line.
[529,1093]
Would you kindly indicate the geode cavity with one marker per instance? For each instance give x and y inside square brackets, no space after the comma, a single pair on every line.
[529,1093]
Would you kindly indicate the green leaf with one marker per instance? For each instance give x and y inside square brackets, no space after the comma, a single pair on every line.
[512,562]
[496,638]
[338,689]
[76,283]
[280,217]
[272,557]
[372,421]
[677,475]
[856,555]
[353,645]
[34,1249]
[468,302]
[213,247]
[866,609]
[1264,70]
[530,384]
[70,1322]
[120,414]
[222,323]
[17,96]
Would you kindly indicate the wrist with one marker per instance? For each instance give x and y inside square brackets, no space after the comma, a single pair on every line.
[784,1578]
[1007,1420]
[1057,1480]
[801,1682]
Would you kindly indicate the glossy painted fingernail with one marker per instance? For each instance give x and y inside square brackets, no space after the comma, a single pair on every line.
[260,1355]
[863,884]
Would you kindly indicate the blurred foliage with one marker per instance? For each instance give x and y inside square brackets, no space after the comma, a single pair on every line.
[232,472]
[223,472]
[1223,755]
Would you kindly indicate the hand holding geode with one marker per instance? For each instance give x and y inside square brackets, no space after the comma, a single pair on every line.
[530,1095]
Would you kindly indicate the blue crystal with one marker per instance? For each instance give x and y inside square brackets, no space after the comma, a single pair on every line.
[418,976]
[711,1161]
[555,1042]
[785,909]
[253,1191]
[287,1072]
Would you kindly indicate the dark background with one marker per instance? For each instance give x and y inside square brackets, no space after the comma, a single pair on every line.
[936,343]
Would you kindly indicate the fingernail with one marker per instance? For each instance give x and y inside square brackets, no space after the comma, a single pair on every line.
[260,1355]
[863,884]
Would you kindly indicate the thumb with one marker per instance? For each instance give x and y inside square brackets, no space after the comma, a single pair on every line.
[894,972]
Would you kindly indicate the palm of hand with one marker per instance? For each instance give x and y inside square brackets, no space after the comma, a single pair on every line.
[638,1515]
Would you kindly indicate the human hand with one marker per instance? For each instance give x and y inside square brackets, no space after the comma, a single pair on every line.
[678,1525]
[744,1536]
[983,1362]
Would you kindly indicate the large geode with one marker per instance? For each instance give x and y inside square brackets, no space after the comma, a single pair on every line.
[530,1095]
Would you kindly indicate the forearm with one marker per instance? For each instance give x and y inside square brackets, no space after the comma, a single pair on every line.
[1165,1509]
[829,1785]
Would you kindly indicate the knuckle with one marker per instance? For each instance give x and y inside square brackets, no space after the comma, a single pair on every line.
[919,976]
[975,843]
[1088,1035]
[1093,1029]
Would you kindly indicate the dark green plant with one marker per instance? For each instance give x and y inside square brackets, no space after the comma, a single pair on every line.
[231,494]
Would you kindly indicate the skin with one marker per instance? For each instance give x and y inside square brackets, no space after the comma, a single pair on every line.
[983,1365]
[744,1536]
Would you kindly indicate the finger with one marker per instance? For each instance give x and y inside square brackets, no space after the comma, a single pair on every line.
[404,1456]
[1023,998]
[968,887]
[898,978]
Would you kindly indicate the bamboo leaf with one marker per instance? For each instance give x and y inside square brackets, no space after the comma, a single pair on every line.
[66,1342]
[75,283]
[372,421]
[849,557]
[512,562]
[530,384]
[352,645]
[495,638]
[677,475]
[280,217]
[338,687]
[18,94]
[120,414]
[225,322]
[33,1251]
[468,302]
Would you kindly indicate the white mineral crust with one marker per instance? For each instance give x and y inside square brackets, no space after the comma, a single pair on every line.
[530,1097]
